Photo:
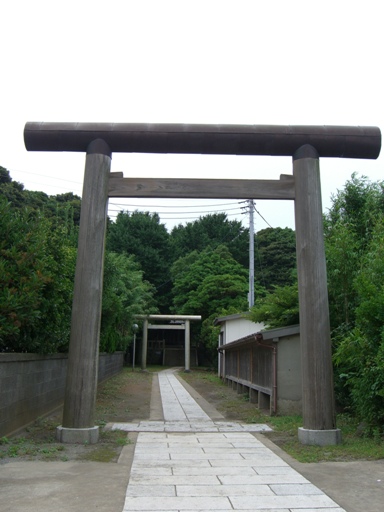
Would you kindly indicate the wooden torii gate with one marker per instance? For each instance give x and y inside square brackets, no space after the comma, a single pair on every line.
[186,319]
[306,144]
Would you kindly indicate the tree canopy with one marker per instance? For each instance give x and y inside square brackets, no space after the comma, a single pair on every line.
[125,294]
[36,272]
[210,231]
[208,283]
[275,257]
[354,236]
[202,281]
[278,307]
[143,236]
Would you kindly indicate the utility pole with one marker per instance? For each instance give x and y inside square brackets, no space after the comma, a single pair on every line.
[251,296]
[251,289]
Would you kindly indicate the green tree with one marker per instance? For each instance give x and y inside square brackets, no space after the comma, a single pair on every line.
[125,294]
[142,235]
[358,206]
[70,207]
[348,228]
[210,332]
[277,308]
[61,208]
[207,284]
[354,237]
[38,253]
[343,254]
[36,272]
[359,354]
[210,231]
[5,177]
[275,257]
[213,280]
[10,190]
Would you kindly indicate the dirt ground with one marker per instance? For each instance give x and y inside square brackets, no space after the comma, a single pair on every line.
[230,404]
[123,398]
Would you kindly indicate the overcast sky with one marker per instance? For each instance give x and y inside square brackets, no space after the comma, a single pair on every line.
[211,61]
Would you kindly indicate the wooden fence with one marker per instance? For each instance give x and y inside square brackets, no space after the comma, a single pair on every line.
[250,367]
[267,367]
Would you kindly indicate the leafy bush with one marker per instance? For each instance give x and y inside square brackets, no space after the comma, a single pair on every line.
[359,335]
[125,294]
[36,276]
[277,308]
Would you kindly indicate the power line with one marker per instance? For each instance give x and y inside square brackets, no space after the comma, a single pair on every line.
[258,213]
[44,176]
[182,218]
[187,213]
[173,206]
[208,212]
[246,210]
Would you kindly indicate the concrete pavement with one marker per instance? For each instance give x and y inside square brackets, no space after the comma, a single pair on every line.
[191,463]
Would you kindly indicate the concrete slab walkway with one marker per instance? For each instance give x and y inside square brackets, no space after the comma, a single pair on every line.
[189,462]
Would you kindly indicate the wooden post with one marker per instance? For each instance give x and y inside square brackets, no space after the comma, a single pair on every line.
[83,357]
[187,346]
[144,346]
[319,423]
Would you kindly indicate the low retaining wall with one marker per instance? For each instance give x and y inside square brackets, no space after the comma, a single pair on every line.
[32,385]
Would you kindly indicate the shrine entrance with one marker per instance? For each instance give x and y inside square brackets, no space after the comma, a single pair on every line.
[305,144]
[174,322]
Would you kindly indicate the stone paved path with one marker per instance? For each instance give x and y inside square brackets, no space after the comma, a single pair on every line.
[190,463]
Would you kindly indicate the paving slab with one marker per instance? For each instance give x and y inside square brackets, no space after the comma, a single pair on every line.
[252,479]
[176,480]
[154,504]
[224,490]
[186,426]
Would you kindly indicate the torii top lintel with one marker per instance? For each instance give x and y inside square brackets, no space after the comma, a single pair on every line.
[273,140]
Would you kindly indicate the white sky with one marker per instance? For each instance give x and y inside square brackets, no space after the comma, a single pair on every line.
[210,61]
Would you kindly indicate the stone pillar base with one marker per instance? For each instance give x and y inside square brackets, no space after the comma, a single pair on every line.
[77,435]
[319,437]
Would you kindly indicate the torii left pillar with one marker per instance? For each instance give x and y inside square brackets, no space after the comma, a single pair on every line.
[83,357]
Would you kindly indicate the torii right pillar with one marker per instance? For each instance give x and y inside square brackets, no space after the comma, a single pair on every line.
[319,418]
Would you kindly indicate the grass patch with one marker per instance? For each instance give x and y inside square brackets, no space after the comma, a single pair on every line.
[232,405]
[157,368]
[124,397]
[30,447]
[100,454]
[116,437]
[353,446]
